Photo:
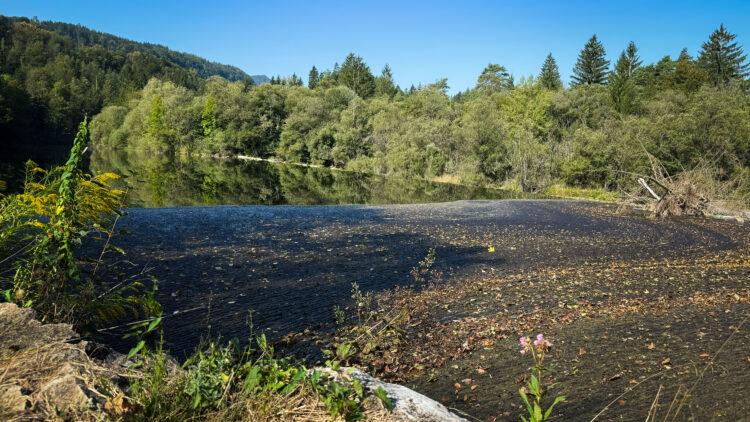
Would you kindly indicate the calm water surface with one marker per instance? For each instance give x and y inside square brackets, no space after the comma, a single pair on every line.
[153,180]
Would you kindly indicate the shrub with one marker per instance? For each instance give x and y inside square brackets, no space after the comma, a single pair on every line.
[49,219]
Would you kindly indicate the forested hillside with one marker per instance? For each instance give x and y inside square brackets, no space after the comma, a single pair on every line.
[83,36]
[531,132]
[49,81]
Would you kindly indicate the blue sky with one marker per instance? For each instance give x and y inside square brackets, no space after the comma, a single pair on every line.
[422,41]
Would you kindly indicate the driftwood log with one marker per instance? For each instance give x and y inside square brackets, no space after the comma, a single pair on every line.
[645,185]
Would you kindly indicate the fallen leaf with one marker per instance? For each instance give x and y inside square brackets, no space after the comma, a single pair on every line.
[651,346]
[457,385]
[704,355]
[666,361]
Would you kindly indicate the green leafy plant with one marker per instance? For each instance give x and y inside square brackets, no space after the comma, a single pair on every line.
[49,219]
[538,349]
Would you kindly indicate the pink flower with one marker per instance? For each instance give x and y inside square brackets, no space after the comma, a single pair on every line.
[523,351]
[524,341]
[539,340]
[547,344]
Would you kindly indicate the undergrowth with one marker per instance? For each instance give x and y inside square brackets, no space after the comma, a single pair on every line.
[230,382]
[41,229]
[563,191]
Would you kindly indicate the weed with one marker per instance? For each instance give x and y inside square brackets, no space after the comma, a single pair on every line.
[534,388]
[49,219]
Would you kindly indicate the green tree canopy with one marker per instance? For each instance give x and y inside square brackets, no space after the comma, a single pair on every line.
[208,116]
[592,64]
[313,78]
[723,59]
[550,75]
[621,85]
[356,75]
[633,60]
[494,78]
[247,84]
[384,85]
[687,76]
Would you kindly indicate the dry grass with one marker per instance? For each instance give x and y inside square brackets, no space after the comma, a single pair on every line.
[447,178]
[31,369]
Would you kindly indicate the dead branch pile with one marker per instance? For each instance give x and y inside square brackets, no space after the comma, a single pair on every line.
[683,198]
[684,194]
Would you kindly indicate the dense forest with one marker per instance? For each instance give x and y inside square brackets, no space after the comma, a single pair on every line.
[52,74]
[83,36]
[534,132]
[612,120]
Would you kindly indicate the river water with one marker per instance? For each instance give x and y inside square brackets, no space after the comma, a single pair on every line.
[163,181]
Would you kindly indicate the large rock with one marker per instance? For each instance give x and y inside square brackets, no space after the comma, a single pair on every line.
[19,329]
[408,405]
[48,369]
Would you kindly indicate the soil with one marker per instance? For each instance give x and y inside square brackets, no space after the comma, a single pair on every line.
[629,302]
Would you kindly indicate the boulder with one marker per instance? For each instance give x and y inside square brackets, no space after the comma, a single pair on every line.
[48,368]
[408,405]
[19,329]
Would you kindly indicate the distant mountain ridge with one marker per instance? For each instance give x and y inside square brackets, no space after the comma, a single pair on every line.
[83,36]
[260,79]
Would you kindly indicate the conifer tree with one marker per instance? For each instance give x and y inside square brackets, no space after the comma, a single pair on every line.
[633,60]
[723,59]
[247,84]
[384,83]
[592,64]
[621,84]
[355,74]
[335,72]
[313,78]
[494,78]
[550,75]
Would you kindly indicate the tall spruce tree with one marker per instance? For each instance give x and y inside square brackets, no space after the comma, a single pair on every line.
[335,72]
[633,60]
[621,85]
[550,75]
[592,64]
[723,59]
[384,83]
[355,74]
[313,78]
